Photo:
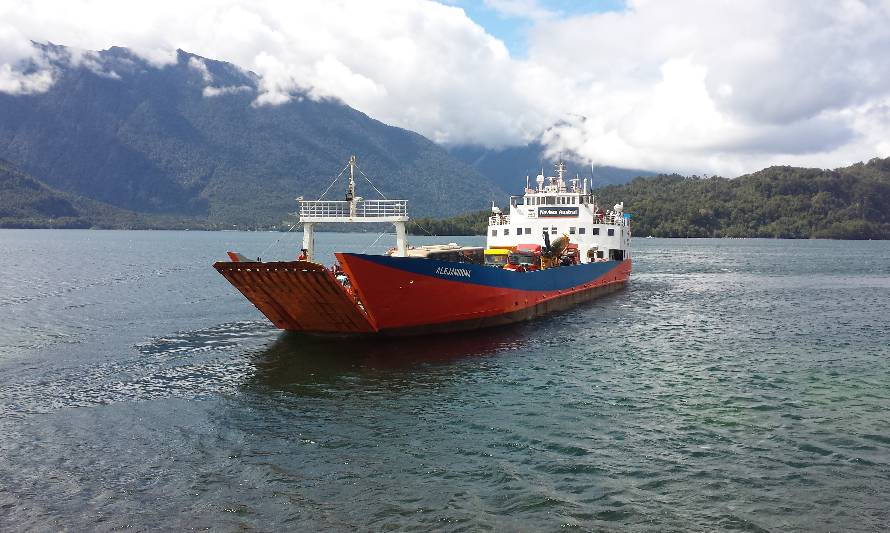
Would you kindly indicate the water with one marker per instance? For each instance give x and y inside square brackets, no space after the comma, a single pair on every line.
[734,385]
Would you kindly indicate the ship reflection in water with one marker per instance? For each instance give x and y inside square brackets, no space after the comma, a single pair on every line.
[298,360]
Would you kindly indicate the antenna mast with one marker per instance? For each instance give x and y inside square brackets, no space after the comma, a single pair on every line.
[350,189]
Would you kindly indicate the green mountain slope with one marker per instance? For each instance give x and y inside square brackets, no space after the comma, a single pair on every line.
[188,140]
[785,202]
[26,202]
[778,202]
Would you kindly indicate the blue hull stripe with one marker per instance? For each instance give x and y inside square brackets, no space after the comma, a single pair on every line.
[551,279]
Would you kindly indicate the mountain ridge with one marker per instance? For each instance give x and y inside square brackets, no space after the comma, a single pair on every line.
[190,140]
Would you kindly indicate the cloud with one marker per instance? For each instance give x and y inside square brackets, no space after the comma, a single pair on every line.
[210,92]
[14,81]
[722,86]
[198,65]
[717,87]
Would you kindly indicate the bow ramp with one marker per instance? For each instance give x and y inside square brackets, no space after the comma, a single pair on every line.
[298,296]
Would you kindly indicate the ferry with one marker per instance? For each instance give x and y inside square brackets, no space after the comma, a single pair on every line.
[554,248]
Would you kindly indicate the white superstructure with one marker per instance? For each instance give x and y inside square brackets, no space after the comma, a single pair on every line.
[557,207]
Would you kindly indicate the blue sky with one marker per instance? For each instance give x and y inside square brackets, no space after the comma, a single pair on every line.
[511,20]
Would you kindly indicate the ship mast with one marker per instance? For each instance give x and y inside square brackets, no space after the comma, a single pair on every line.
[354,209]
[350,189]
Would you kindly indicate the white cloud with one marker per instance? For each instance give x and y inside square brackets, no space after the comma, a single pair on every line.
[685,85]
[14,81]
[200,67]
[210,92]
[722,86]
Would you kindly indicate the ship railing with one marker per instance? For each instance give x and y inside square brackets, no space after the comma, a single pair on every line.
[616,219]
[364,209]
[498,220]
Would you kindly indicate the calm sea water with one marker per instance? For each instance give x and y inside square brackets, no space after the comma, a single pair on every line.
[733,385]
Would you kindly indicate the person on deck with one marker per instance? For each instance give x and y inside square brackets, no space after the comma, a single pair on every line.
[302,256]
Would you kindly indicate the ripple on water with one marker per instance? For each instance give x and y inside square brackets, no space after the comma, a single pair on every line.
[733,385]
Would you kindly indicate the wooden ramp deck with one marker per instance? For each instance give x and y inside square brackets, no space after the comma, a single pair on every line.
[298,296]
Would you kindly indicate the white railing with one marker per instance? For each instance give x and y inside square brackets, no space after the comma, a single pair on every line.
[363,209]
[498,220]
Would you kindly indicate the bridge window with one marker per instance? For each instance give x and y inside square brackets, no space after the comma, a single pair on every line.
[611,232]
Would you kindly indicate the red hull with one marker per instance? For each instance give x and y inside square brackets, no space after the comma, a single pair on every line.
[404,297]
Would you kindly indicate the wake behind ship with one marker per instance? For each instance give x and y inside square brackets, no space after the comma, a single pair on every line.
[555,249]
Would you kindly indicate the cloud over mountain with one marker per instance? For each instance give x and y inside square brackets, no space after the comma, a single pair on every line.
[687,85]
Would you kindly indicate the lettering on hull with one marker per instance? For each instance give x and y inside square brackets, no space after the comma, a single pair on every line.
[456,272]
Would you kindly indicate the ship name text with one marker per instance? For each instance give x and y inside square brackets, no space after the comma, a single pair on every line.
[449,271]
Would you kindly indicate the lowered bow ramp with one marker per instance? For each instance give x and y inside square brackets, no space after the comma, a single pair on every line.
[298,296]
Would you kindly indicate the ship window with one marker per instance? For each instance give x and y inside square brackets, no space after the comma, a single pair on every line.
[572,230]
[599,254]
[494,233]
[582,231]
[595,231]
[550,200]
[553,230]
[528,231]
[506,231]
[518,231]
[611,232]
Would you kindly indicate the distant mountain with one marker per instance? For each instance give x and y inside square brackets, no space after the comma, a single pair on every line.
[26,202]
[781,202]
[188,140]
[508,167]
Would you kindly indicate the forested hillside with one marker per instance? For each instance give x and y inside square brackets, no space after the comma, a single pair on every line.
[783,202]
[189,140]
[26,202]
[475,223]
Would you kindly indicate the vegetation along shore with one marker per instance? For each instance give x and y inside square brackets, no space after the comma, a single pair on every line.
[778,202]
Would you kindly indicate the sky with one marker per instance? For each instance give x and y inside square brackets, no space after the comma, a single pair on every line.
[692,86]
